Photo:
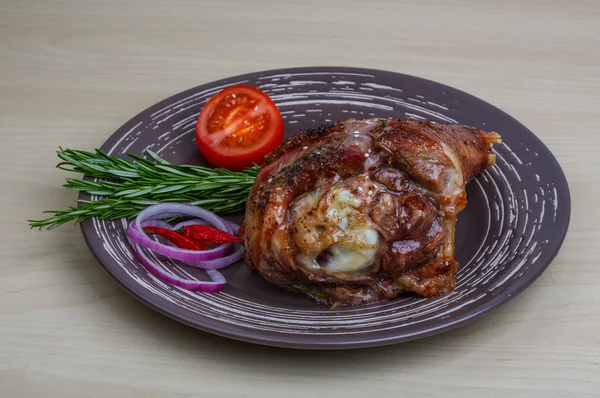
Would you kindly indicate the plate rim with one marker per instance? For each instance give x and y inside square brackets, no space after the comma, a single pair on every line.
[287,340]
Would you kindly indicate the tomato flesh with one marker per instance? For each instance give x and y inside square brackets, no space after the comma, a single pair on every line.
[237,127]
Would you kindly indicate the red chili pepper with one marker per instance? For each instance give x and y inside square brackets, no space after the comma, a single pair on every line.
[206,234]
[176,238]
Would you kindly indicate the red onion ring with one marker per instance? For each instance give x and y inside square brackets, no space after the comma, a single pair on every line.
[156,223]
[208,264]
[218,280]
[219,262]
[167,210]
[216,258]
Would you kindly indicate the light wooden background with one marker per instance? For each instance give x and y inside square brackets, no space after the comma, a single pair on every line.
[71,72]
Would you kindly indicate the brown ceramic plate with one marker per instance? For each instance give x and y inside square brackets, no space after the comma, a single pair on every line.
[513,226]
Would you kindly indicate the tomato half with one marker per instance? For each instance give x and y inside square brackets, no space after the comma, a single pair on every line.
[237,127]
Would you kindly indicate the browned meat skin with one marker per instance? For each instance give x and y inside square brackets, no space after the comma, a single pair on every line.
[361,210]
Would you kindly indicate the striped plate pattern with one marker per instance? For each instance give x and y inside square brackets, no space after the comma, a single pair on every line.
[514,224]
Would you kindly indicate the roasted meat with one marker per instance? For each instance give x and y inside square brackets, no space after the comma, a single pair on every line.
[361,210]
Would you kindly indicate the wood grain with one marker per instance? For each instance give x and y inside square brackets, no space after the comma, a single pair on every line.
[71,72]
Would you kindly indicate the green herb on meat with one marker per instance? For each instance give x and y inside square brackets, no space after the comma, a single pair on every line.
[309,292]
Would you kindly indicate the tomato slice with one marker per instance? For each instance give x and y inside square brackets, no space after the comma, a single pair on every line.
[237,127]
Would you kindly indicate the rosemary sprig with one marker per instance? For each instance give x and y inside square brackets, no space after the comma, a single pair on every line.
[127,187]
[317,295]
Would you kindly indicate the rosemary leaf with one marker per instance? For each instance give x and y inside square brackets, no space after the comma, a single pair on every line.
[126,187]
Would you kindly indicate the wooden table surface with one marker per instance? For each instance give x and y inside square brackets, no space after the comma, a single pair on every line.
[71,72]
